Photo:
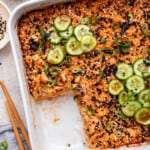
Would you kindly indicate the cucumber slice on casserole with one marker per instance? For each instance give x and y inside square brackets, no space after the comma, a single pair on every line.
[123,97]
[62,22]
[88,43]
[115,87]
[52,35]
[142,67]
[73,47]
[124,71]
[66,34]
[142,116]
[55,55]
[130,107]
[81,30]
[135,84]
[144,97]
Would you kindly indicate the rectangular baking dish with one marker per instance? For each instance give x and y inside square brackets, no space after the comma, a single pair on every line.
[51,125]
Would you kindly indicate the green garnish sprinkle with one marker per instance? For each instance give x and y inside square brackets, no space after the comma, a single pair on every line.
[46,69]
[103,41]
[76,70]
[102,74]
[148,50]
[118,133]
[3,145]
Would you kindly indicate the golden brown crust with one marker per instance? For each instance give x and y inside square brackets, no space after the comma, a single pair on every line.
[96,105]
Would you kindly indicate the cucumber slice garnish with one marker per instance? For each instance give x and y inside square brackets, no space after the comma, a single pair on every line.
[81,30]
[144,97]
[54,38]
[123,97]
[135,84]
[52,35]
[115,87]
[124,71]
[62,22]
[73,47]
[88,43]
[142,116]
[55,55]
[130,107]
[66,34]
[142,67]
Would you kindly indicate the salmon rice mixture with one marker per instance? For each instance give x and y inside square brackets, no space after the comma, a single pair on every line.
[99,52]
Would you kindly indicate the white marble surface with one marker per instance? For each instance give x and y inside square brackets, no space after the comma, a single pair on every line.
[9,76]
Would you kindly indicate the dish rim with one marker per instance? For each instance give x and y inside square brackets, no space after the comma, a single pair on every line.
[17,62]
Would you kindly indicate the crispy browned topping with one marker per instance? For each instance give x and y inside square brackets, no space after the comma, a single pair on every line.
[104,126]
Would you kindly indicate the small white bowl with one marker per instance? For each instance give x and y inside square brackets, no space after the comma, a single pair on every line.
[4,13]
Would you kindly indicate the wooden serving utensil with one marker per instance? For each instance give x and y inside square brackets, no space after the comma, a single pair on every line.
[15,119]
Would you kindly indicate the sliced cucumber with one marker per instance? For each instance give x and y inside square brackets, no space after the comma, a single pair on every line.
[73,47]
[88,43]
[135,84]
[62,22]
[55,55]
[81,30]
[144,97]
[52,35]
[54,38]
[66,34]
[124,71]
[142,67]
[115,87]
[130,107]
[123,97]
[142,116]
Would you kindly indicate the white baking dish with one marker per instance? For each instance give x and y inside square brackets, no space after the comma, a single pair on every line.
[51,125]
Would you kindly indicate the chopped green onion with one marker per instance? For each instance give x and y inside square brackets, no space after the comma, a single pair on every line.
[148,50]
[85,20]
[43,34]
[109,126]
[145,29]
[76,70]
[103,41]
[122,42]
[67,60]
[51,83]
[118,133]
[91,111]
[107,50]
[40,51]
[119,114]
[54,71]
[102,74]
[115,25]
[41,48]
[130,15]
[3,145]
[46,69]
[124,50]
[94,19]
